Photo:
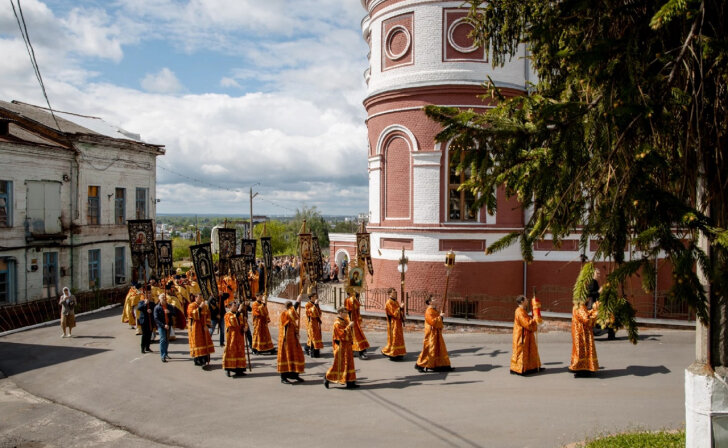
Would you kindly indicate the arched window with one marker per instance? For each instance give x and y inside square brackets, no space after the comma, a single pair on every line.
[459,202]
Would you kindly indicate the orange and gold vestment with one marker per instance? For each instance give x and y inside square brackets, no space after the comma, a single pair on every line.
[434,351]
[262,341]
[583,351]
[198,333]
[313,313]
[395,331]
[234,356]
[342,371]
[353,307]
[525,357]
[290,353]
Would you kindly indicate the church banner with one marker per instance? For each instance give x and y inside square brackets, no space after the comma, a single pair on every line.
[317,259]
[226,246]
[202,260]
[141,243]
[305,246]
[363,251]
[239,269]
[164,258]
[266,248]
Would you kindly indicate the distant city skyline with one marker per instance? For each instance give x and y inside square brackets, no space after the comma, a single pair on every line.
[240,92]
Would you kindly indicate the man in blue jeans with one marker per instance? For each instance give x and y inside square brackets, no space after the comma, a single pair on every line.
[163,319]
[217,311]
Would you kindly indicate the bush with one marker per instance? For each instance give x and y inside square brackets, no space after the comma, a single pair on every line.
[660,439]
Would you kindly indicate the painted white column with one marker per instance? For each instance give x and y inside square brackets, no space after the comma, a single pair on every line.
[426,187]
[375,184]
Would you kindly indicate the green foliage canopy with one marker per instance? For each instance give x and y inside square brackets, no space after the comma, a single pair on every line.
[623,139]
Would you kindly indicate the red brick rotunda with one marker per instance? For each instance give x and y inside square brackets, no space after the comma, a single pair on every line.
[420,54]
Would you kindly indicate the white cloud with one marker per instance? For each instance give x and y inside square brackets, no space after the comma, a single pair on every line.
[229,82]
[164,81]
[302,137]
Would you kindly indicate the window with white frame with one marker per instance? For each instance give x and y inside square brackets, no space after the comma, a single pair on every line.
[459,201]
[7,280]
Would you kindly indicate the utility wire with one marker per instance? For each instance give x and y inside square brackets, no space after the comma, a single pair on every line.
[31,53]
[219,187]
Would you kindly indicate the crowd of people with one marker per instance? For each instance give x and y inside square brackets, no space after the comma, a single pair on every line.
[176,302]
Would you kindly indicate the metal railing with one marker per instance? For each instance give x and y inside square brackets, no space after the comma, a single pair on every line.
[44,310]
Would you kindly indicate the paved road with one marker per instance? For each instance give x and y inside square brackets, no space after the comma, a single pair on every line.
[97,388]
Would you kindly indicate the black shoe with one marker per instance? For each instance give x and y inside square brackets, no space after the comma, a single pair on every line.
[227,372]
[167,358]
[326,383]
[419,368]
[285,381]
[255,352]
[143,351]
[298,379]
[307,350]
[164,359]
[352,385]
[148,349]
[238,374]
[363,355]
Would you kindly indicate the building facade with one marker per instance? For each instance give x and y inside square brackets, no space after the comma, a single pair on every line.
[67,186]
[421,54]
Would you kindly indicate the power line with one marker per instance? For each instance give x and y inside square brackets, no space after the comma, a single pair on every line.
[31,53]
[219,187]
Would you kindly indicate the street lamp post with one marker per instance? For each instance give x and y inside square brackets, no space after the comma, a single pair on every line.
[449,265]
[402,268]
[250,229]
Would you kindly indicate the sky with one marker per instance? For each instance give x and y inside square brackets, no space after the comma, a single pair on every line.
[240,92]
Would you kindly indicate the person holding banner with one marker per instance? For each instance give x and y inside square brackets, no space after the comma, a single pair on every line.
[200,340]
[434,352]
[342,371]
[524,359]
[233,358]
[291,362]
[353,306]
[314,344]
[262,341]
[395,348]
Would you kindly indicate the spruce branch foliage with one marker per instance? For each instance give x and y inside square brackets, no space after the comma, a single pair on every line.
[623,140]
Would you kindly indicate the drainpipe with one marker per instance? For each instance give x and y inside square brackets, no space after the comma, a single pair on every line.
[75,164]
[525,279]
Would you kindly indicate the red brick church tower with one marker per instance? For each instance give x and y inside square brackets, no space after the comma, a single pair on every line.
[420,54]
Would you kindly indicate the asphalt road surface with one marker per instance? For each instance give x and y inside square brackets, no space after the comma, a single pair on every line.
[98,389]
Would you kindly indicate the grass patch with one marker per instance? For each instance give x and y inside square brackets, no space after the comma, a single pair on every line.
[660,439]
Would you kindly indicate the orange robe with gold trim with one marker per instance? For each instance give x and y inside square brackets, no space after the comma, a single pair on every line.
[395,331]
[262,341]
[583,351]
[133,297]
[434,351]
[227,284]
[313,331]
[342,370]
[253,280]
[525,350]
[234,355]
[198,334]
[290,353]
[352,306]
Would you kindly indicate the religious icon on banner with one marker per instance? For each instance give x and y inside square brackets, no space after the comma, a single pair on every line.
[226,246]
[356,277]
[363,249]
[164,257]
[239,269]
[141,235]
[248,247]
[202,260]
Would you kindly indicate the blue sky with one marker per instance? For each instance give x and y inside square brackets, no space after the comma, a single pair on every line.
[239,92]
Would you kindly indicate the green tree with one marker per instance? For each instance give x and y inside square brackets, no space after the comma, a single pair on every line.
[623,139]
[280,237]
[315,223]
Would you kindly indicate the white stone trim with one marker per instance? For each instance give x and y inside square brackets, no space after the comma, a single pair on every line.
[388,42]
[394,128]
[451,39]
[407,109]
[342,237]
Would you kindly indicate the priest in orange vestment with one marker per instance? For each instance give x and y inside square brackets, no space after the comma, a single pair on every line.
[395,348]
[262,341]
[583,352]
[434,352]
[524,359]
[233,359]
[200,340]
[291,362]
[314,342]
[353,306]
[342,335]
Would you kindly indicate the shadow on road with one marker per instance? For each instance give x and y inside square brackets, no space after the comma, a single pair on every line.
[16,358]
[634,371]
[445,436]
[476,368]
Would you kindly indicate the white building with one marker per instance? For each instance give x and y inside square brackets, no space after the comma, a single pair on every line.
[67,187]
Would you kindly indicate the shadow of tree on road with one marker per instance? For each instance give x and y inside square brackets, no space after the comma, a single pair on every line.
[16,358]
[633,371]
